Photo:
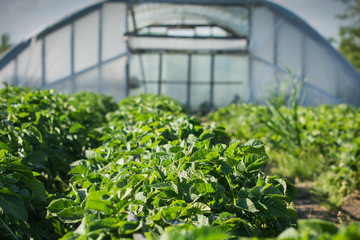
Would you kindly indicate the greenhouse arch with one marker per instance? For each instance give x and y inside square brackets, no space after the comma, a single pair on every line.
[205,54]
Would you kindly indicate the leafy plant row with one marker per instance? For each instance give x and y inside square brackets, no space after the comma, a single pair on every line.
[307,229]
[310,143]
[158,167]
[83,167]
[41,133]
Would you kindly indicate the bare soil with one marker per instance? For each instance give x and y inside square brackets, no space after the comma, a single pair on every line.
[309,206]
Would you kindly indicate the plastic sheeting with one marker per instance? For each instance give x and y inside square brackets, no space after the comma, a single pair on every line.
[205,55]
[86,41]
[113,29]
[191,44]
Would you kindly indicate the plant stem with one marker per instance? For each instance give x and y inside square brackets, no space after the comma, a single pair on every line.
[11,233]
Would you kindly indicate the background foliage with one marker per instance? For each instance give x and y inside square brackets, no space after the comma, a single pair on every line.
[350,34]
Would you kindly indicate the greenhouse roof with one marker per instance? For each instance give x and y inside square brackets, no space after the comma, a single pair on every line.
[83,11]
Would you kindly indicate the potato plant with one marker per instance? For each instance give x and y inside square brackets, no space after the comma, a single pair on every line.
[319,144]
[158,168]
[83,167]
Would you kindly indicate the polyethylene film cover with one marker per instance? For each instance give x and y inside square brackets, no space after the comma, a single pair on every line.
[349,87]
[175,67]
[114,15]
[65,86]
[29,65]
[233,17]
[88,81]
[231,68]
[57,54]
[200,68]
[314,97]
[199,96]
[113,79]
[7,74]
[290,47]
[263,31]
[86,38]
[263,83]
[321,69]
[186,43]
[144,67]
[144,87]
[225,94]
[176,91]
[231,79]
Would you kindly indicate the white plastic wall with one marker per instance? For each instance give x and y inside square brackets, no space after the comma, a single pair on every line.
[7,74]
[86,41]
[58,54]
[278,44]
[113,29]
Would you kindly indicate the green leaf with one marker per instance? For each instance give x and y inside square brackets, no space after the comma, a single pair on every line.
[202,220]
[79,169]
[37,188]
[206,135]
[102,224]
[253,162]
[36,157]
[254,146]
[90,154]
[13,206]
[224,216]
[71,214]
[23,114]
[58,205]
[4,146]
[76,128]
[317,225]
[231,149]
[289,234]
[205,188]
[199,206]
[276,206]
[200,154]
[135,151]
[246,204]
[125,227]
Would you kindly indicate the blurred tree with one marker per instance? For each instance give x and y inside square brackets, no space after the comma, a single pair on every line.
[5,42]
[350,34]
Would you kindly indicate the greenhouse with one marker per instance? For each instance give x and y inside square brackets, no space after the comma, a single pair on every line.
[203,53]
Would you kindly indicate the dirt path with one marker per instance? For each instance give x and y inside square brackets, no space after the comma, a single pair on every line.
[308,206]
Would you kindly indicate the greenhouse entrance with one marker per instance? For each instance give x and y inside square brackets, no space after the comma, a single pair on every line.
[185,52]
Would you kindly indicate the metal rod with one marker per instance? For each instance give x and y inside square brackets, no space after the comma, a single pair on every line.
[303,69]
[142,70]
[16,74]
[186,37]
[160,73]
[275,54]
[100,72]
[128,53]
[133,19]
[250,59]
[212,70]
[199,52]
[43,70]
[127,90]
[72,58]
[188,90]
